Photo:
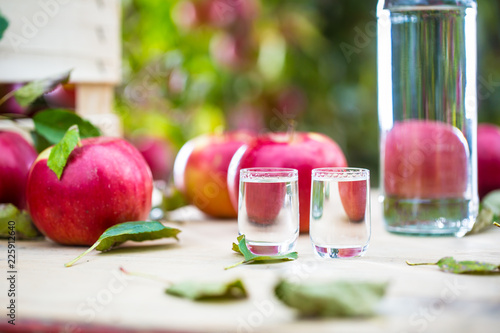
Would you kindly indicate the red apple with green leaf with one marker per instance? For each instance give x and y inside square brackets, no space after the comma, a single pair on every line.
[106,181]
[301,151]
[425,159]
[16,157]
[200,171]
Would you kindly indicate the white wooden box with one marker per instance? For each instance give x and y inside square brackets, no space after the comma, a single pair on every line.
[49,37]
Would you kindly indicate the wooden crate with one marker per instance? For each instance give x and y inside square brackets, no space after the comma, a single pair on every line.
[48,37]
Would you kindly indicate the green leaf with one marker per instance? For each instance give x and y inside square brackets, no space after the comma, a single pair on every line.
[4,24]
[484,220]
[59,154]
[24,228]
[251,258]
[137,231]
[332,298]
[492,201]
[489,211]
[39,142]
[175,199]
[52,124]
[31,91]
[196,290]
[450,265]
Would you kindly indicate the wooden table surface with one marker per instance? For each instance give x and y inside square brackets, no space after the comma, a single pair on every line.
[94,295]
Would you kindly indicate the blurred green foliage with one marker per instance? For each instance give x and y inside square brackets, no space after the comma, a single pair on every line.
[203,65]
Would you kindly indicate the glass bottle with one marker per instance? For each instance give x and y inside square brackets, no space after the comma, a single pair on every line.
[428,115]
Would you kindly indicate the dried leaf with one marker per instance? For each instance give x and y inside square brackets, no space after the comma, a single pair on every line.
[196,290]
[331,299]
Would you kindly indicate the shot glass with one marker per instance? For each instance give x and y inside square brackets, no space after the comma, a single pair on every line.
[340,212]
[268,209]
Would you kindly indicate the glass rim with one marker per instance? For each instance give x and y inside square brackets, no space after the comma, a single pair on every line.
[269,172]
[339,171]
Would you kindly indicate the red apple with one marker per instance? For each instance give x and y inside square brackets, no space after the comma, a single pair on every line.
[200,171]
[353,197]
[10,105]
[16,157]
[488,158]
[301,151]
[63,96]
[263,201]
[106,181]
[159,155]
[425,159]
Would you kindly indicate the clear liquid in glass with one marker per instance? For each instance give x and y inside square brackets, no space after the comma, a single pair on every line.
[269,214]
[340,216]
[427,116]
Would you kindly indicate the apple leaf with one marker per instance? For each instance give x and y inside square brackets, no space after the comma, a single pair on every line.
[137,231]
[450,265]
[31,91]
[489,211]
[3,24]
[250,258]
[59,154]
[24,228]
[202,291]
[331,298]
[52,124]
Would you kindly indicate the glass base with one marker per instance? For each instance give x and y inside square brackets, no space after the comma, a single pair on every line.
[436,217]
[340,252]
[269,249]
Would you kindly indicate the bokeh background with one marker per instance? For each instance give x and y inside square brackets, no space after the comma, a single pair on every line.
[197,66]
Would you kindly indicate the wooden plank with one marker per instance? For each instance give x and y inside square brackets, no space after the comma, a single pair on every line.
[94,291]
[94,98]
[46,37]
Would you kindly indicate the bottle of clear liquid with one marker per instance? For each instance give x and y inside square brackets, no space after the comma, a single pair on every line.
[428,115]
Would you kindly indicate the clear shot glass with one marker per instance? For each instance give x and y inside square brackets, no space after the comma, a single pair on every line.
[268,209]
[340,224]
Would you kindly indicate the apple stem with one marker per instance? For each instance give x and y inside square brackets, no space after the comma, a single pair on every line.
[291,129]
[420,263]
[147,276]
[7,96]
[69,264]
[234,265]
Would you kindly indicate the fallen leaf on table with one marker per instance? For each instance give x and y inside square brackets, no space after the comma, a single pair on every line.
[250,258]
[196,290]
[137,231]
[23,227]
[332,298]
[450,265]
[200,290]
